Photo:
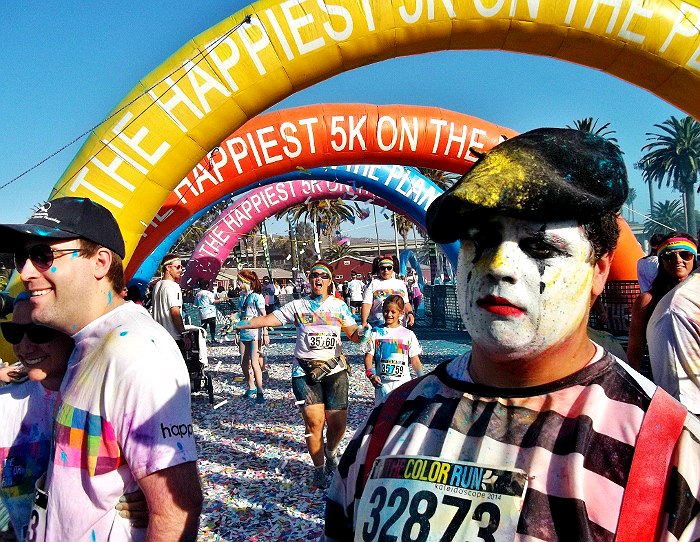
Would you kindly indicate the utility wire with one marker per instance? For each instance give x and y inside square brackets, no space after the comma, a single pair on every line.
[195,61]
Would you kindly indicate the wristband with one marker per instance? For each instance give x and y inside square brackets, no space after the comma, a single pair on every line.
[370,372]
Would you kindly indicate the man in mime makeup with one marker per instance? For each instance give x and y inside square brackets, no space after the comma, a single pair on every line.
[536,413]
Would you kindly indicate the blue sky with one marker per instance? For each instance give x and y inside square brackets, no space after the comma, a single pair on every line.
[67,64]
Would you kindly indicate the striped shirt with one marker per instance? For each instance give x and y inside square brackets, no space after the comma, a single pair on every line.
[574,438]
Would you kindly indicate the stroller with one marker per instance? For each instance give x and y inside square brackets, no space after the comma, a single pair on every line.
[197,361]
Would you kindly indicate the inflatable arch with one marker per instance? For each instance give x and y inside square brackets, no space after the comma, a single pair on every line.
[242,216]
[327,134]
[410,193]
[273,48]
[408,256]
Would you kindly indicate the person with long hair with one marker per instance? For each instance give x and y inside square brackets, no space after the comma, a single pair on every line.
[251,304]
[678,256]
[319,371]
[386,284]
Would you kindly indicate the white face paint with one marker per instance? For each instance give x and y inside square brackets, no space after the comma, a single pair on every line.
[523,286]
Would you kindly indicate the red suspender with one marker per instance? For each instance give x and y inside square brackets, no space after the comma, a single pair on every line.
[642,504]
[388,413]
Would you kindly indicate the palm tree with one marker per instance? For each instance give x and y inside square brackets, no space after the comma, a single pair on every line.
[674,155]
[339,251]
[591,126]
[441,178]
[631,196]
[325,214]
[648,181]
[404,226]
[665,215]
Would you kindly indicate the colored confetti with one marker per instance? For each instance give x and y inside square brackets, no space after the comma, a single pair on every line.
[255,470]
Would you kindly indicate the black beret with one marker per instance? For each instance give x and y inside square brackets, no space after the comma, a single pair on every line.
[544,174]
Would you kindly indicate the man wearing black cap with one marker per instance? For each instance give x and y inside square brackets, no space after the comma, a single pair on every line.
[123,419]
[531,435]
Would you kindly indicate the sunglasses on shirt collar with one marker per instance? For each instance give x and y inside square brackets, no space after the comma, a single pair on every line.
[14,333]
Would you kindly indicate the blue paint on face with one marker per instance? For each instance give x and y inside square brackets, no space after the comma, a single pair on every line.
[123,333]
[53,269]
[75,326]
[109,297]
[74,255]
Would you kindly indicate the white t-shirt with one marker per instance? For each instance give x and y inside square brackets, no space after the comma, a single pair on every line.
[357,288]
[166,294]
[673,336]
[647,269]
[204,300]
[318,328]
[392,349]
[124,414]
[25,444]
[375,294]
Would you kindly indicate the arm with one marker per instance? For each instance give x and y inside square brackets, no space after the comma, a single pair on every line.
[364,312]
[353,333]
[269,320]
[176,315]
[408,311]
[174,497]
[417,365]
[370,372]
[638,327]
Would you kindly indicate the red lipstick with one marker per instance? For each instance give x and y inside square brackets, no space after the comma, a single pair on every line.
[499,305]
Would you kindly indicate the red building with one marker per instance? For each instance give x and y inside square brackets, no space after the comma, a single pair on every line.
[343,268]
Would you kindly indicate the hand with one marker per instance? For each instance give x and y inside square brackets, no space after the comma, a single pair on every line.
[186,342]
[376,381]
[11,372]
[266,339]
[133,506]
[410,319]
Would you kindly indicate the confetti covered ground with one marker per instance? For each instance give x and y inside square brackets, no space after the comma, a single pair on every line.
[253,462]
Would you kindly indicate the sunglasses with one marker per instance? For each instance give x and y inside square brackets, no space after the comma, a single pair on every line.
[14,333]
[386,267]
[42,256]
[178,266]
[325,276]
[684,255]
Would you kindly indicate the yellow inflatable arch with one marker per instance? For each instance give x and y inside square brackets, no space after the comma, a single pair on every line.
[274,48]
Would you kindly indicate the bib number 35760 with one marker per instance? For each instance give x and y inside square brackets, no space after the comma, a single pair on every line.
[429,500]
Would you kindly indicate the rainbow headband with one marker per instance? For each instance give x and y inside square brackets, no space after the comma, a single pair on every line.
[678,243]
[244,280]
[171,260]
[321,268]
[386,261]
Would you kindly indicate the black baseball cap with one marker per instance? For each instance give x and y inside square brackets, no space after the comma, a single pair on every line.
[544,174]
[67,218]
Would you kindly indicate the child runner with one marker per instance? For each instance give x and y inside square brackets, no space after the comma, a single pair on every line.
[389,350]
[251,304]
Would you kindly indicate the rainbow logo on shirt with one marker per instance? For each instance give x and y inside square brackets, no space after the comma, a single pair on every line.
[85,441]
[381,294]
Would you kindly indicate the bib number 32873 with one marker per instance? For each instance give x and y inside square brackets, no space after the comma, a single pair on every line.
[428,500]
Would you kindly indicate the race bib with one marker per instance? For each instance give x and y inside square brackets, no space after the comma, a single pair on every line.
[321,340]
[391,369]
[429,500]
[37,519]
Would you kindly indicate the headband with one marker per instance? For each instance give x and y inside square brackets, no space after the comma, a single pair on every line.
[321,267]
[677,243]
[243,279]
[171,260]
[385,261]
